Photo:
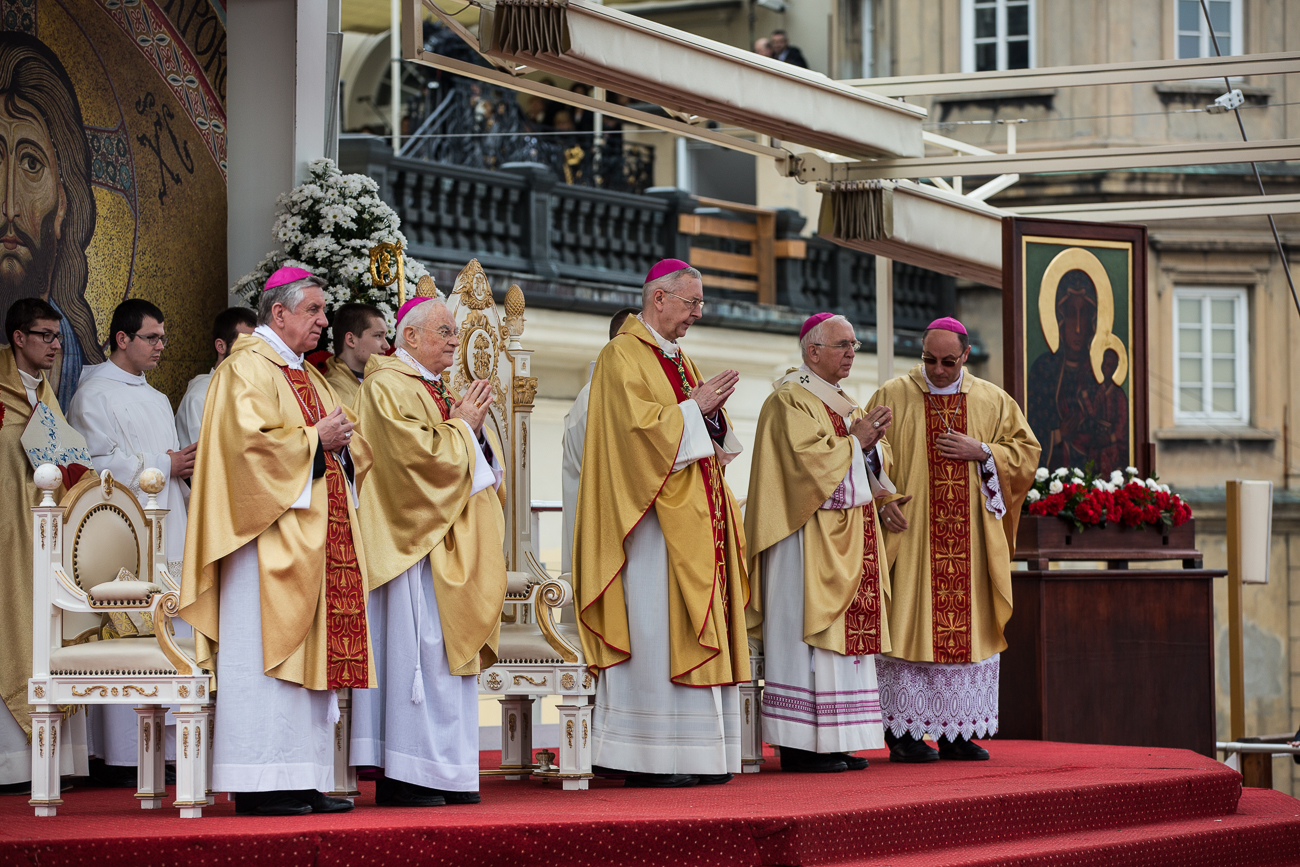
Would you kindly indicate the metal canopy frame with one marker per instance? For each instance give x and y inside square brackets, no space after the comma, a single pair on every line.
[1130,72]
[810,167]
[1215,208]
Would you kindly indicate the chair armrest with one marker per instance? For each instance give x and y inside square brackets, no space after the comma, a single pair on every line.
[122,594]
[167,605]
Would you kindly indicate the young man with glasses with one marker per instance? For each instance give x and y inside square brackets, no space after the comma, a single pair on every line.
[963,459]
[129,427]
[657,551]
[816,557]
[32,331]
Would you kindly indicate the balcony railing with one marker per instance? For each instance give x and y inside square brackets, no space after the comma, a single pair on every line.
[523,220]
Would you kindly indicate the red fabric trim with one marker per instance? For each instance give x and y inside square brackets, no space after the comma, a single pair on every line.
[950,529]
[346,647]
[862,620]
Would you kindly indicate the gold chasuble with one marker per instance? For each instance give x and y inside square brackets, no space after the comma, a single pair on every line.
[417,504]
[343,381]
[258,448]
[951,568]
[802,453]
[634,429]
[20,494]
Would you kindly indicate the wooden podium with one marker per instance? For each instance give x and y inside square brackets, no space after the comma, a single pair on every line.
[1109,656]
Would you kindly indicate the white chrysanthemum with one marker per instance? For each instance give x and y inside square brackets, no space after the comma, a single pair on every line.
[1078,473]
[1055,487]
[1033,496]
[1164,489]
[1117,478]
[1060,473]
[1132,471]
[1099,484]
[1152,485]
[1041,474]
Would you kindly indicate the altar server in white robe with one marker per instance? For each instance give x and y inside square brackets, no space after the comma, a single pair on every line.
[129,427]
[229,324]
[816,564]
[274,565]
[433,525]
[575,431]
[658,554]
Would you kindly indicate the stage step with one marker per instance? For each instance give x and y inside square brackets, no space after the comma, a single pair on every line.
[1263,832]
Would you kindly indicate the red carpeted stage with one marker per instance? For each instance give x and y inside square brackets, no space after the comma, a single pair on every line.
[1035,803]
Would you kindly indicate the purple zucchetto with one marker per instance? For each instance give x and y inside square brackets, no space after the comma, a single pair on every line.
[664,267]
[286,275]
[946,323]
[812,322]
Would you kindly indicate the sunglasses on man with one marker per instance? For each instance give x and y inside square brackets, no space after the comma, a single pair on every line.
[948,362]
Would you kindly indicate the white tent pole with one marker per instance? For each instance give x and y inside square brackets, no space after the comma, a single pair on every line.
[884,320]
[395,78]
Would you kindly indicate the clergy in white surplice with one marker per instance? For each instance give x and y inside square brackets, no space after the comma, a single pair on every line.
[275,571]
[229,324]
[658,552]
[129,427]
[32,329]
[819,581]
[433,526]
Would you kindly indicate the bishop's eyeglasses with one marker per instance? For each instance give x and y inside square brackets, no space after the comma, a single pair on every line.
[842,346]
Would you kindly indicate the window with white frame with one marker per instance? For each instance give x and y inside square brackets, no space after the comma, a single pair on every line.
[1210,356]
[997,34]
[1193,34]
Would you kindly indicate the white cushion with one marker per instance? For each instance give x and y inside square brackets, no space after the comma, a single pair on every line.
[118,656]
[517,583]
[123,592]
[525,643]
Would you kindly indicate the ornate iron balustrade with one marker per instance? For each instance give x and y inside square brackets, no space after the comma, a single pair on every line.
[589,248]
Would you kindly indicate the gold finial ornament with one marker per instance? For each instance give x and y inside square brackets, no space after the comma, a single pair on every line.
[386,268]
[426,288]
[515,301]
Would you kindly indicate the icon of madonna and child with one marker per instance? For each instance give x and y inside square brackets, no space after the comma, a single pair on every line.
[1077,403]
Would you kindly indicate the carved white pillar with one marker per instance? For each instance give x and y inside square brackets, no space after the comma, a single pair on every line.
[150,768]
[193,743]
[522,393]
[45,760]
[345,775]
[517,735]
[575,743]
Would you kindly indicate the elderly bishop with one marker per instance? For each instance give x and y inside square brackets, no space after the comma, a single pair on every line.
[274,569]
[963,461]
[658,556]
[434,532]
[816,566]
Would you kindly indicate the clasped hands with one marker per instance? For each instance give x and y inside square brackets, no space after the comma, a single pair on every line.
[183,461]
[711,394]
[473,406]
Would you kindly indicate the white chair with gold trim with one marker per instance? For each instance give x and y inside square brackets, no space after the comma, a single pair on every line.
[538,655]
[81,547]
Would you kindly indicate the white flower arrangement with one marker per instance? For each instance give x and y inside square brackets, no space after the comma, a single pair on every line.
[1041,474]
[1056,486]
[1061,472]
[328,226]
[1033,496]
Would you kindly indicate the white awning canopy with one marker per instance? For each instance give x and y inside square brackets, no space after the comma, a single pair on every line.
[680,71]
[916,224]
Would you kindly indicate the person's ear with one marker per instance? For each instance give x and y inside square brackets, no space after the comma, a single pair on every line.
[350,340]
[220,346]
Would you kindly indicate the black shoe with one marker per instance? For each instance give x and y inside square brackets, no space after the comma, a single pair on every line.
[714,779]
[890,738]
[909,750]
[323,803]
[805,762]
[395,793]
[17,789]
[279,803]
[854,763]
[608,773]
[109,776]
[660,781]
[962,750]
[454,797]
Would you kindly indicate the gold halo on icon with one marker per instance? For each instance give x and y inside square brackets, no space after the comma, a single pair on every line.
[1079,259]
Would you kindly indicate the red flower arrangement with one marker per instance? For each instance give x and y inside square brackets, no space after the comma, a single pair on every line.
[1089,500]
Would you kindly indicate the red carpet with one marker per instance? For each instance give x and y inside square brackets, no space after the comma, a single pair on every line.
[1033,804]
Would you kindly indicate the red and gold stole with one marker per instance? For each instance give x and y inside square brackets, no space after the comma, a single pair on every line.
[345,597]
[862,620]
[439,395]
[950,545]
[683,384]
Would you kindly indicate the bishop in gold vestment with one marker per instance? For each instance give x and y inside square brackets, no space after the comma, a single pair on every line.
[275,573]
[434,531]
[658,556]
[22,385]
[816,566]
[963,459]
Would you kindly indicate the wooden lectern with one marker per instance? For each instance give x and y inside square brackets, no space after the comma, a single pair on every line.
[1110,656]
